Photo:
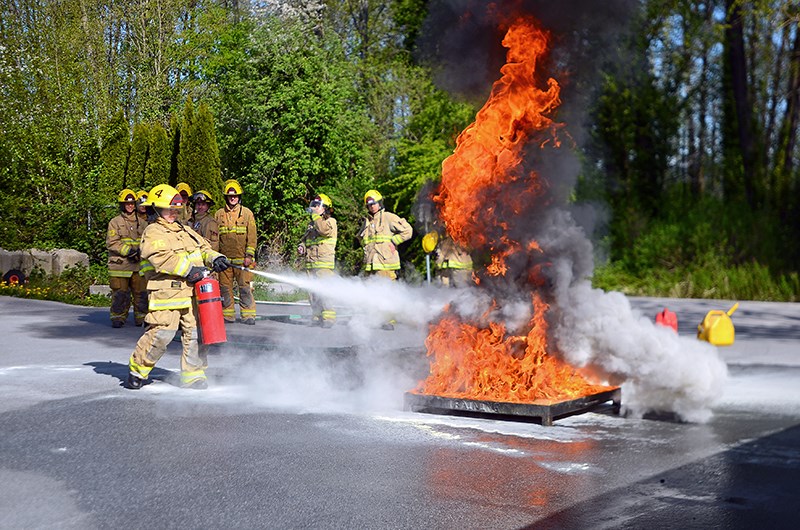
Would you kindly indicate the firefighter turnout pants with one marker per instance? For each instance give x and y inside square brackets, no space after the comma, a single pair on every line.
[321,309]
[458,278]
[247,305]
[389,275]
[160,330]
[122,289]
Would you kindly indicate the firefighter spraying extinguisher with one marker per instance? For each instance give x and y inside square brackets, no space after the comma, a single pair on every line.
[174,259]
[209,311]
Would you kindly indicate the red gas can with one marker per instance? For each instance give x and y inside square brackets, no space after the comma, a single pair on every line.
[209,311]
[668,319]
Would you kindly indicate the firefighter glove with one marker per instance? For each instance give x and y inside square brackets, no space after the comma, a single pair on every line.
[221,263]
[196,274]
[134,255]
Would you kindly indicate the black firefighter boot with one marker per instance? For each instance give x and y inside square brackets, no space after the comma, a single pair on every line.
[133,382]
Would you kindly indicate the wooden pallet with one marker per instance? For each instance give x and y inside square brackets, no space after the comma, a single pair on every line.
[545,410]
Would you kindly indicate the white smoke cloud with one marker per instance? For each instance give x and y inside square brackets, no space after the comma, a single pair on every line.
[661,370]
[323,381]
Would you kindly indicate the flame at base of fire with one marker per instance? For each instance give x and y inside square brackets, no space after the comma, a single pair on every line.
[489,364]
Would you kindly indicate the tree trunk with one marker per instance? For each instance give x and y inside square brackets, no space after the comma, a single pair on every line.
[737,64]
[792,116]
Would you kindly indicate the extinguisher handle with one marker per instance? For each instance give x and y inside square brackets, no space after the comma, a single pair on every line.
[196,274]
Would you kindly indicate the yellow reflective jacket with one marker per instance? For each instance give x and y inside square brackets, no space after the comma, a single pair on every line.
[320,242]
[123,235]
[206,225]
[171,250]
[380,235]
[237,233]
[451,256]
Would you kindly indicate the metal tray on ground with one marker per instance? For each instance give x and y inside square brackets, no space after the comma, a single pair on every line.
[545,410]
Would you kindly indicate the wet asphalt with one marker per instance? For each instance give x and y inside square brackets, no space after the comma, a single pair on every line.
[304,427]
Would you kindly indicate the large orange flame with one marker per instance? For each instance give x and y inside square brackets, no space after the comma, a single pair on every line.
[479,179]
[483,188]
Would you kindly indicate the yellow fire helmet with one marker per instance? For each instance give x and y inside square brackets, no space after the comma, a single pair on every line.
[204,196]
[324,199]
[141,198]
[372,196]
[127,195]
[429,241]
[231,187]
[183,187]
[165,196]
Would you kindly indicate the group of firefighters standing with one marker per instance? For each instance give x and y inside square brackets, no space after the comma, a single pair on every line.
[159,247]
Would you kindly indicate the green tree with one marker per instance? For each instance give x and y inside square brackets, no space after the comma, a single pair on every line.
[149,157]
[115,151]
[435,121]
[158,163]
[292,123]
[187,149]
[139,156]
[201,155]
[175,148]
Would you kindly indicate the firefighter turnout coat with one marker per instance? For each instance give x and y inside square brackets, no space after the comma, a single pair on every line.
[237,240]
[206,225]
[380,235]
[237,233]
[170,250]
[454,263]
[122,242]
[320,242]
[451,256]
[122,238]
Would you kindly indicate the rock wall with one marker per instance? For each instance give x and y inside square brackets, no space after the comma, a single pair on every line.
[50,261]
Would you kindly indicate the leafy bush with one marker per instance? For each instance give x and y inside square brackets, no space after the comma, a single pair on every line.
[707,249]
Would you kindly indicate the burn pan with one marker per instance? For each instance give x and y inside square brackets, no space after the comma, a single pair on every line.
[545,410]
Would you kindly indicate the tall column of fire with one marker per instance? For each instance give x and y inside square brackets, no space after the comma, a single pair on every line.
[484,189]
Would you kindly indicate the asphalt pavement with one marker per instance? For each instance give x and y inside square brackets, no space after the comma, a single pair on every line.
[304,427]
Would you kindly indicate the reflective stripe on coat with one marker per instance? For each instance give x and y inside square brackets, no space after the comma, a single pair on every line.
[320,242]
[123,234]
[172,249]
[380,235]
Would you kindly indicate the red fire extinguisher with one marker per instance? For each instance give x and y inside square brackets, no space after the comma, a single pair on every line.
[209,311]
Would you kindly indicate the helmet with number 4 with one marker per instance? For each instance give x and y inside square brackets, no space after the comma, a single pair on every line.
[165,196]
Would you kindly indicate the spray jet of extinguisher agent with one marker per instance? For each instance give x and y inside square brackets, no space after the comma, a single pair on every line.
[304,282]
[269,275]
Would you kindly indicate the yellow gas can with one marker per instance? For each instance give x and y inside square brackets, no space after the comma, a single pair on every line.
[717,327]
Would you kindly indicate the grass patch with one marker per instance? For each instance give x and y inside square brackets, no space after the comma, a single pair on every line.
[707,249]
[750,281]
